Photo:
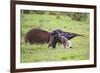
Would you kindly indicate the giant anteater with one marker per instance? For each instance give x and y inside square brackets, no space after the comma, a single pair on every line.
[39,36]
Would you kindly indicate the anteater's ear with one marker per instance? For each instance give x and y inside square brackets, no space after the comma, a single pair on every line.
[52,33]
[56,31]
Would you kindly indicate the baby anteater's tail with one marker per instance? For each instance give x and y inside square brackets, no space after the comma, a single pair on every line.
[71,35]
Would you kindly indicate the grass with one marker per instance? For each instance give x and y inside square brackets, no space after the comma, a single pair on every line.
[41,52]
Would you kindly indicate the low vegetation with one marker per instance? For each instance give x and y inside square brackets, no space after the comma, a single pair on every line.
[49,22]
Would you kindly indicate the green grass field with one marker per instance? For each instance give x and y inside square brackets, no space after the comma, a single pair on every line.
[41,52]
